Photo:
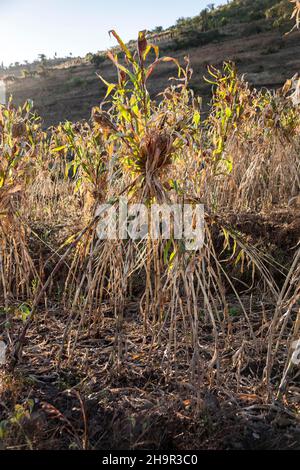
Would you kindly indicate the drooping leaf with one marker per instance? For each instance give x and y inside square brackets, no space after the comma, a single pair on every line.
[153,66]
[122,45]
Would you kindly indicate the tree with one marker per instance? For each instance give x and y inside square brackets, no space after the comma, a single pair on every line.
[204,20]
[42,58]
[97,59]
[157,29]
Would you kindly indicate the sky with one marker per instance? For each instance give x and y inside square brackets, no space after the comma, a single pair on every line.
[32,27]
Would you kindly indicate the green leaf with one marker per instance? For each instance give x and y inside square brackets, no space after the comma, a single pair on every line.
[228,112]
[58,149]
[2,178]
[125,113]
[110,86]
[196,118]
[166,251]
[234,311]
[25,311]
[172,256]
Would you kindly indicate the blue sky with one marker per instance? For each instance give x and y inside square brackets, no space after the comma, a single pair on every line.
[31,27]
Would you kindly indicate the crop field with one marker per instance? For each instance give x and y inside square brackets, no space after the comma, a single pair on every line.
[142,343]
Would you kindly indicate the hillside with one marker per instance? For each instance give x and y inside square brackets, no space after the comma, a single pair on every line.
[251,34]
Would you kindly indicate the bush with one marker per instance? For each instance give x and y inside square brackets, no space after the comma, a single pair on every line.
[77,81]
[196,38]
[97,59]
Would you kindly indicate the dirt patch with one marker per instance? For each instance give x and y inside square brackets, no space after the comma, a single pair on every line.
[280,228]
[147,402]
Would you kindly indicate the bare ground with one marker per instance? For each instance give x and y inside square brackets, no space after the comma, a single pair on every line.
[90,402]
